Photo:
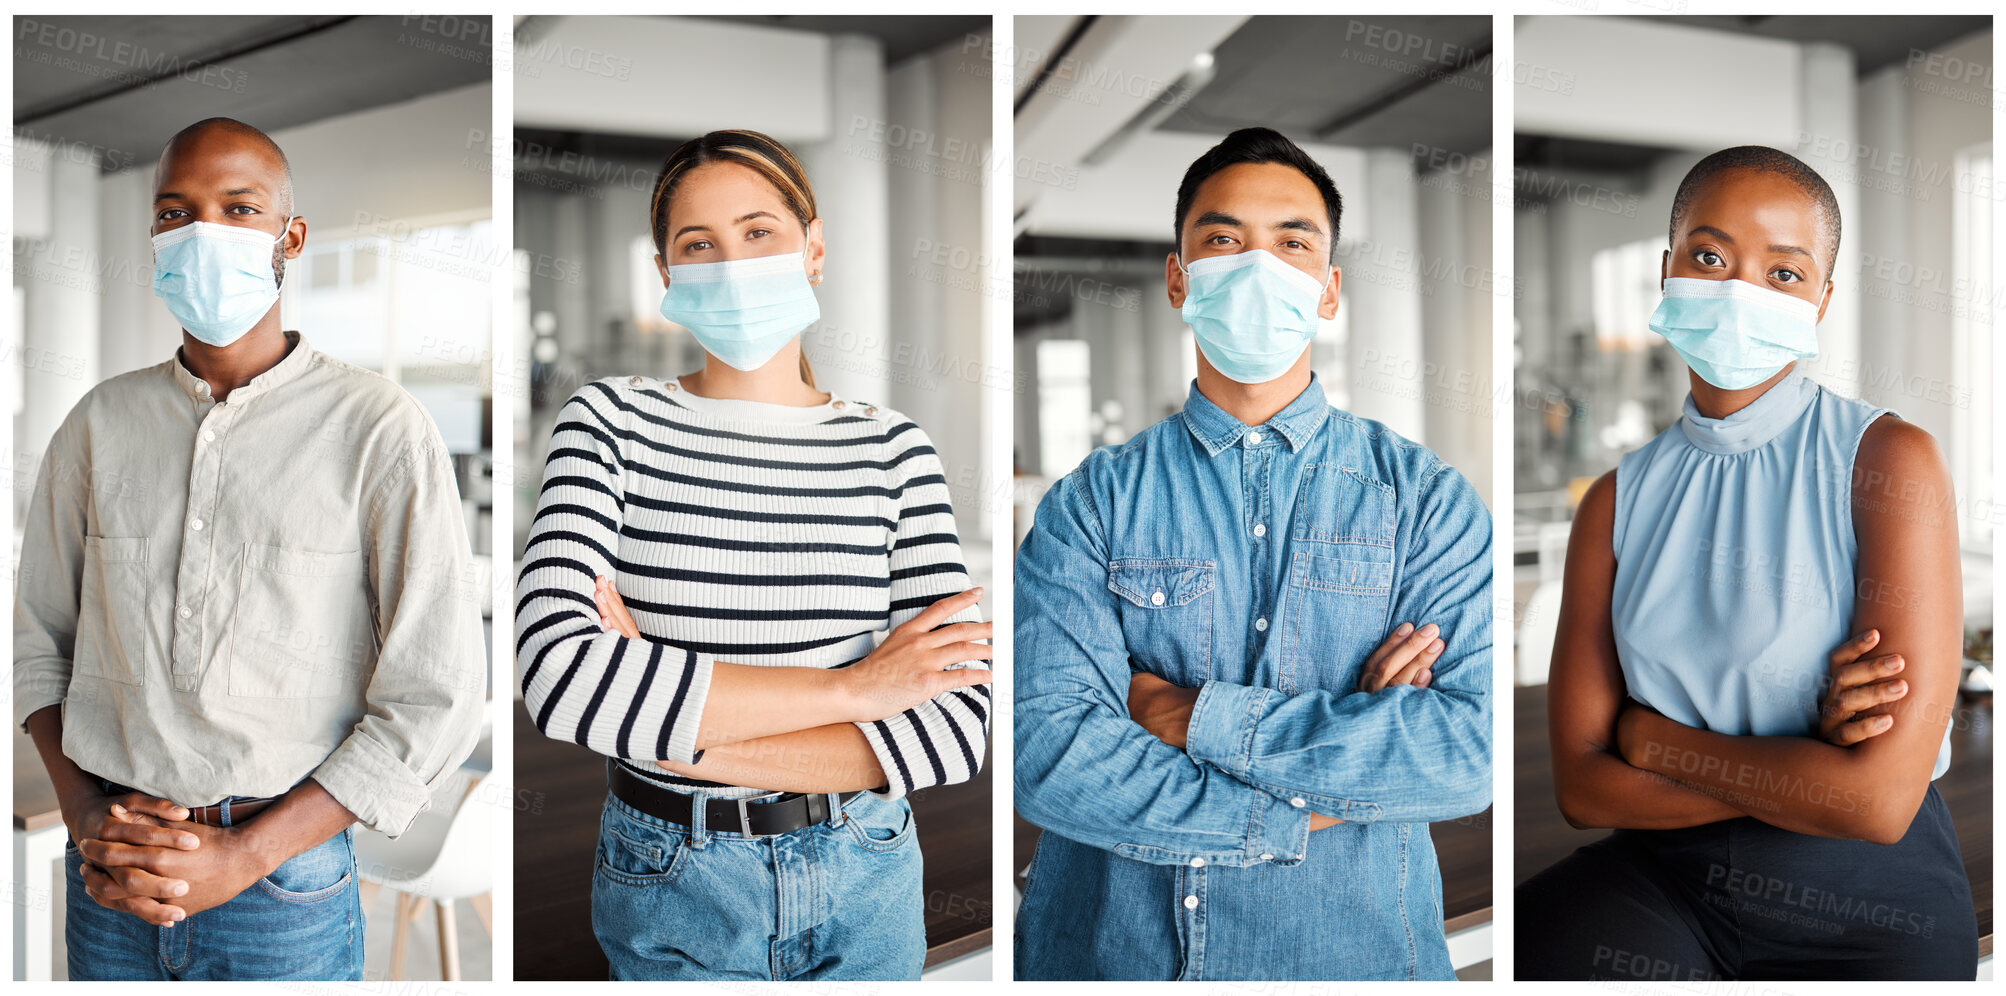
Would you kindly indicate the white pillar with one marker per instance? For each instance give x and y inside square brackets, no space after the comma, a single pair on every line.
[1830,115]
[1884,319]
[1094,323]
[850,345]
[1164,351]
[1381,275]
[61,327]
[1125,344]
[912,104]
[1445,348]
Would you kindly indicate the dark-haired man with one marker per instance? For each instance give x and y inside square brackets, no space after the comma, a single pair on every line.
[1253,642]
[245,621]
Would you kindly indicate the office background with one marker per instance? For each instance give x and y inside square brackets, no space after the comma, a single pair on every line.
[1111,110]
[890,116]
[1896,114]
[384,121]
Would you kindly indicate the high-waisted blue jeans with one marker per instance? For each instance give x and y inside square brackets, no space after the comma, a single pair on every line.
[841,899]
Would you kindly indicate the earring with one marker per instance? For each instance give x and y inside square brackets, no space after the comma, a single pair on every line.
[815,279]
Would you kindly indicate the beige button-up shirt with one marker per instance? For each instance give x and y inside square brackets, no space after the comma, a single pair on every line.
[229,598]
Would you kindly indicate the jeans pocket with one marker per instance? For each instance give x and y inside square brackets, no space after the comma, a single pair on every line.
[113,622]
[315,874]
[635,853]
[879,824]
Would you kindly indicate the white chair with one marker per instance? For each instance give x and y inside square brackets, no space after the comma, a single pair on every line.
[444,857]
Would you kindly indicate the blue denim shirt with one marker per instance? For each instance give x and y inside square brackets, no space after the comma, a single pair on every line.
[1261,564]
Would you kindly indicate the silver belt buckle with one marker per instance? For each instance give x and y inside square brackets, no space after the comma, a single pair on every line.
[745,817]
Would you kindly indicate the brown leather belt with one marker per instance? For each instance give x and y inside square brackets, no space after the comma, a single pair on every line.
[212,816]
[240,811]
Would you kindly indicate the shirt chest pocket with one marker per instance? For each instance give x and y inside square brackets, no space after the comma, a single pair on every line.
[303,626]
[1166,607]
[114,624]
[1338,602]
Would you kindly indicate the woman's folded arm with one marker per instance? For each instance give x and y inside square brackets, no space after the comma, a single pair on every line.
[1595,786]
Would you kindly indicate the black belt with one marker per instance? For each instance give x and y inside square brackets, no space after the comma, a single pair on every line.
[765,818]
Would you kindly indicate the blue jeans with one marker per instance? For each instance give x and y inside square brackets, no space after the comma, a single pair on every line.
[301,922]
[840,900]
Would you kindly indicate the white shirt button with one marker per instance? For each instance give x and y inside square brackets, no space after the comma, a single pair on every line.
[1267,857]
[1197,862]
[1260,529]
[1298,802]
[1156,599]
[195,524]
[1190,902]
[1254,438]
[208,436]
[1261,624]
[186,612]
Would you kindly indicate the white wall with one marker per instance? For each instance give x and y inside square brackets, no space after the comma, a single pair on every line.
[1648,82]
[631,75]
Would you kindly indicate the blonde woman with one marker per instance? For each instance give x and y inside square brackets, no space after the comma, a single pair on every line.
[713,560]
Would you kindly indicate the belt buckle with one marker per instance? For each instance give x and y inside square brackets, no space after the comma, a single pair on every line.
[745,815]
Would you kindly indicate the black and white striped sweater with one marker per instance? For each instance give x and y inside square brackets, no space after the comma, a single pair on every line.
[739,531]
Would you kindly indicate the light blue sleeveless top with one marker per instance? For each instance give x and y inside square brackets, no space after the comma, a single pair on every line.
[1735,557]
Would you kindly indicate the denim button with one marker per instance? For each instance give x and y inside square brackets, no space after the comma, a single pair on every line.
[1156,599]
[1197,862]
[1254,439]
[1190,902]
[1260,529]
[1267,857]
[1261,624]
[1297,802]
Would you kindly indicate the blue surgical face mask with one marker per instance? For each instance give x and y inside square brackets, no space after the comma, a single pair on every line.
[742,310]
[1732,333]
[1253,315]
[217,280]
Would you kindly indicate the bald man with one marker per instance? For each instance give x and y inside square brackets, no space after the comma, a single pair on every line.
[245,621]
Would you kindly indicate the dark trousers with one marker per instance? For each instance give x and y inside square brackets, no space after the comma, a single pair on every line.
[1741,899]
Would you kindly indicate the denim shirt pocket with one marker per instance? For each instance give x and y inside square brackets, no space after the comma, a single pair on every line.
[1166,614]
[1338,602]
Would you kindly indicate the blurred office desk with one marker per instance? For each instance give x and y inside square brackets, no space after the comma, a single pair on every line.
[560,789]
[1544,837]
[1462,849]
[38,848]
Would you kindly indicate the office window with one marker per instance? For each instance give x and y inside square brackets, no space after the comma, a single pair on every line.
[1066,416]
